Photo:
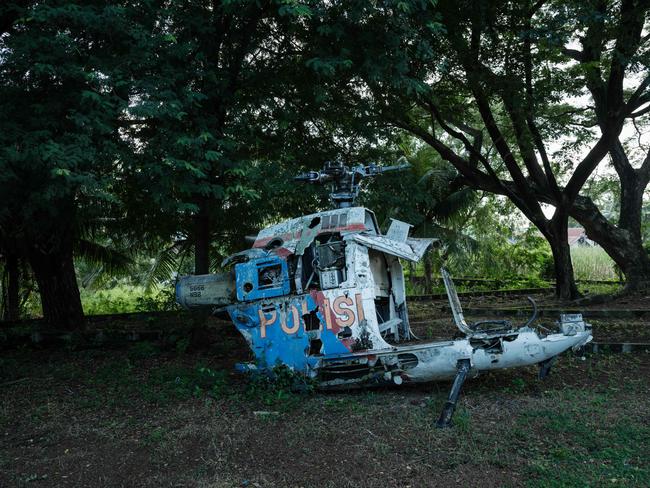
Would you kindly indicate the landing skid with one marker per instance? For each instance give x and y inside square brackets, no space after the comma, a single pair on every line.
[545,367]
[447,413]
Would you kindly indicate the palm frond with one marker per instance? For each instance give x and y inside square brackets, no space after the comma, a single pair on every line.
[166,263]
[110,259]
[454,203]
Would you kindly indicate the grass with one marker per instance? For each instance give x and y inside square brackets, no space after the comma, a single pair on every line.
[142,417]
[592,263]
[506,283]
[589,264]
[117,300]
[599,288]
[613,454]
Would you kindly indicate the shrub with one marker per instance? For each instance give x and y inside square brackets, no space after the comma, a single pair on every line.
[127,298]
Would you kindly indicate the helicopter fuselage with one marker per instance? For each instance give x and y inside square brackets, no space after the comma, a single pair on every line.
[324,295]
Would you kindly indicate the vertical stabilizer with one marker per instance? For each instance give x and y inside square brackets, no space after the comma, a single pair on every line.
[454,303]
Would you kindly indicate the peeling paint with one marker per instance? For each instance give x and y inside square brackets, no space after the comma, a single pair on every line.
[324,295]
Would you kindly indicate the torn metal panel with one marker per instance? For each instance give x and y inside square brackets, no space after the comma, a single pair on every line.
[398,230]
[325,295]
[411,250]
[243,256]
[308,233]
[262,278]
[420,245]
[344,220]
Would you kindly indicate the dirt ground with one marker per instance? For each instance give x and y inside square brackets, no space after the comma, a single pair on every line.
[637,301]
[155,415]
[146,417]
[432,319]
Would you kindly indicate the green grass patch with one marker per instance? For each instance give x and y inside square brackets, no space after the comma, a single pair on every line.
[592,263]
[125,299]
[585,446]
[584,426]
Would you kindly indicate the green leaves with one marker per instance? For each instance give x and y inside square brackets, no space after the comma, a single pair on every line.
[294,8]
[213,155]
[329,66]
[60,172]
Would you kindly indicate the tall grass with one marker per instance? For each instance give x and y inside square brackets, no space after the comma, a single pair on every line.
[592,263]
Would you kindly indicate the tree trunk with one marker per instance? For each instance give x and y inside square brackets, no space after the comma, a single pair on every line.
[57,285]
[627,251]
[623,245]
[428,273]
[633,183]
[202,239]
[557,236]
[11,289]
[637,271]
[565,285]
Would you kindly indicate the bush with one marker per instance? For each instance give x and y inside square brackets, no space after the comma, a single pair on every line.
[126,298]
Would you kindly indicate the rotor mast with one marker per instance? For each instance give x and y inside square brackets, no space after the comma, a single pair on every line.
[345,180]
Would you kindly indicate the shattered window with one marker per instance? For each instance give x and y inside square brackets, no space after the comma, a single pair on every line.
[270,276]
[331,255]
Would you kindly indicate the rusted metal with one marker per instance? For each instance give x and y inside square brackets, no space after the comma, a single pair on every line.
[324,294]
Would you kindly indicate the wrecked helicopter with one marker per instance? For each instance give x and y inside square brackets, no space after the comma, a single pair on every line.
[324,295]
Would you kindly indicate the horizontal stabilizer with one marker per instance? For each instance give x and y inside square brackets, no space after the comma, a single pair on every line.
[205,291]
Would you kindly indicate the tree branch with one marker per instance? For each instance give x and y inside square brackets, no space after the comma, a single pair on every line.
[585,168]
[574,54]
[628,38]
[639,113]
[471,148]
[644,171]
[476,178]
[633,102]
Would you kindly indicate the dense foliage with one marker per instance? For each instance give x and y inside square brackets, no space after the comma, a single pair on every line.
[145,138]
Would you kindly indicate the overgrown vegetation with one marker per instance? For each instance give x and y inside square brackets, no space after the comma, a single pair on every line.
[169,132]
[143,413]
[124,298]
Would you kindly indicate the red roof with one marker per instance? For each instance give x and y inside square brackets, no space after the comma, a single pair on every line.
[575,233]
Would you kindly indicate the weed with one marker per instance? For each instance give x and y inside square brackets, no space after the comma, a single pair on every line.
[156,436]
[382,449]
[339,405]
[143,350]
[462,419]
[183,383]
[125,298]
[279,389]
[182,345]
[519,384]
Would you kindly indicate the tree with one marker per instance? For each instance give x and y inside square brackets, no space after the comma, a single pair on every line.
[614,47]
[486,85]
[61,93]
[207,75]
